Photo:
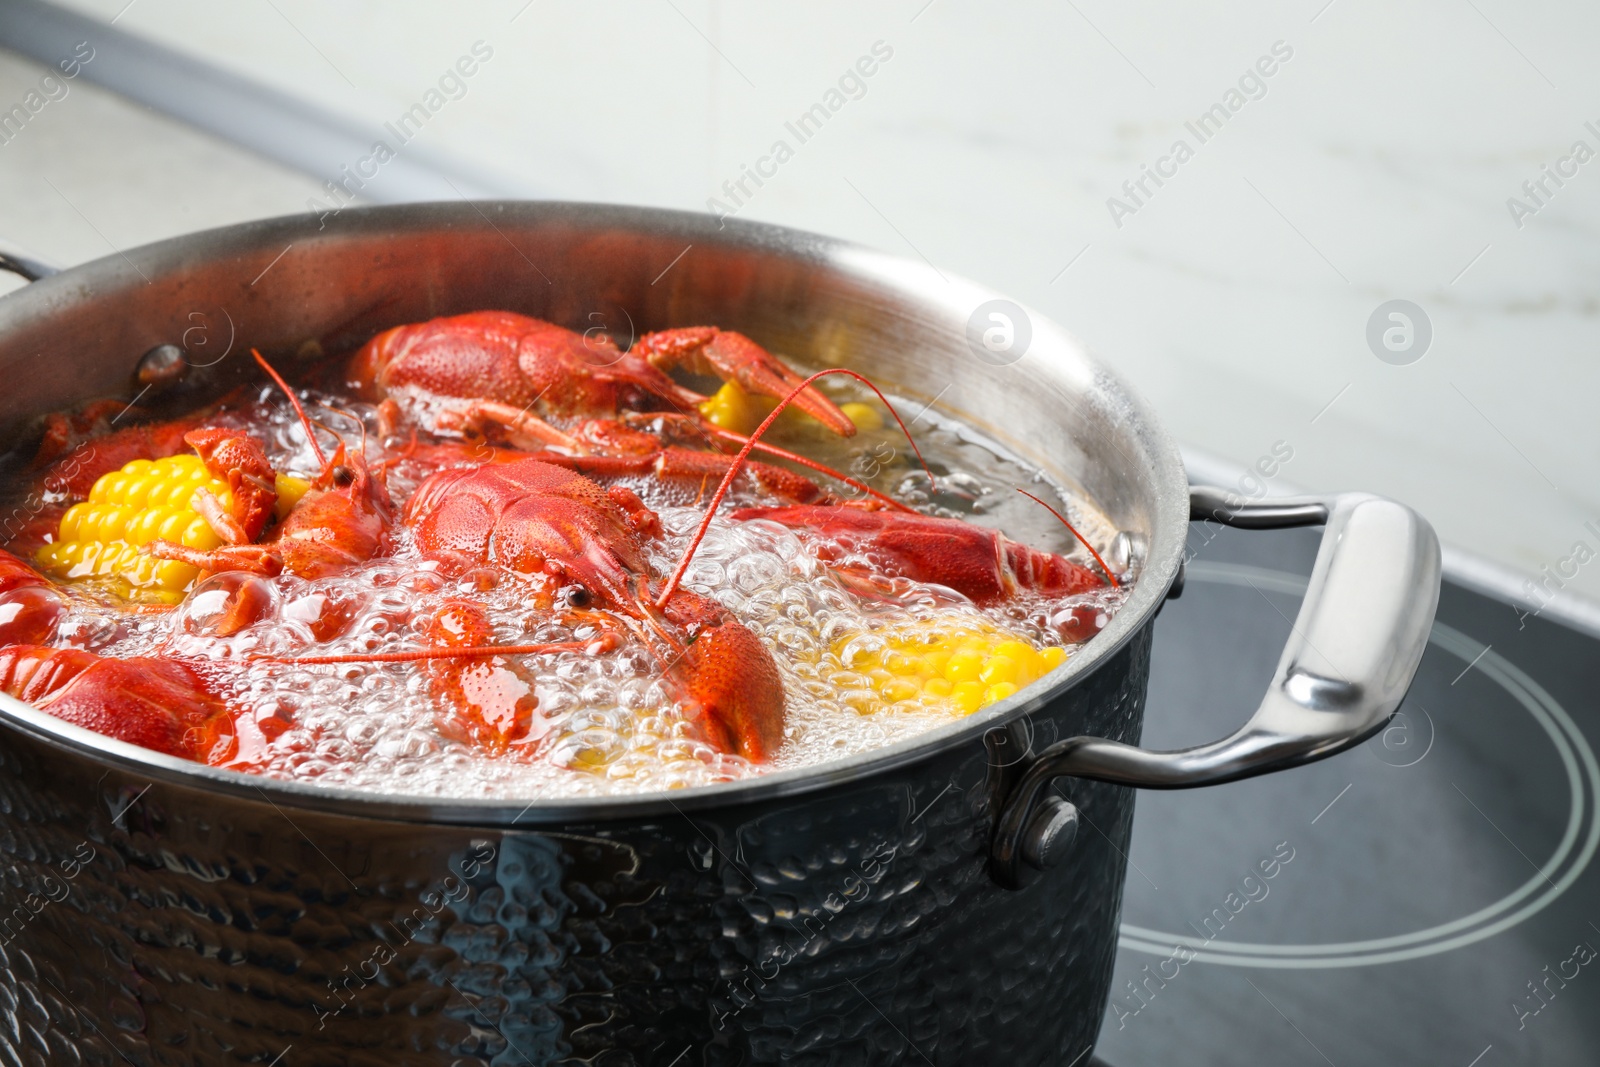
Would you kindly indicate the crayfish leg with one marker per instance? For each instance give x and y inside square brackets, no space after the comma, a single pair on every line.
[224,525]
[256,559]
[524,428]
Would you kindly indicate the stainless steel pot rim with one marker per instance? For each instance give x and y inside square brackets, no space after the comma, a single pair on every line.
[1159,569]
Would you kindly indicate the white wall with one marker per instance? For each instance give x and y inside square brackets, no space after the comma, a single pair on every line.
[1377,166]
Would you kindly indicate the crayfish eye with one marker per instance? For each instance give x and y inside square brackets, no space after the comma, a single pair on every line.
[579,597]
[342,476]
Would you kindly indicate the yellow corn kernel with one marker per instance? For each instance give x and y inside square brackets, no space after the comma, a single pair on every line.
[113,521]
[968,696]
[99,540]
[939,687]
[90,518]
[135,492]
[132,565]
[85,562]
[865,416]
[901,689]
[998,669]
[145,527]
[178,494]
[900,663]
[1019,652]
[964,665]
[113,524]
[199,534]
[734,409]
[290,490]
[176,522]
[106,486]
[1052,657]
[174,576]
[86,518]
[71,521]
[997,693]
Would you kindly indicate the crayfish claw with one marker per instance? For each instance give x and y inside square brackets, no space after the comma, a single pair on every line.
[734,357]
[729,682]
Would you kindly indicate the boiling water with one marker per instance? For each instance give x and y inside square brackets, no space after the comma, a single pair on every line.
[605,721]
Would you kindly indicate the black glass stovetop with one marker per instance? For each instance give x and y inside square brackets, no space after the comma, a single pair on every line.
[1432,896]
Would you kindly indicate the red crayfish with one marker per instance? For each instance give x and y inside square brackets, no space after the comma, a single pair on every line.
[487,366]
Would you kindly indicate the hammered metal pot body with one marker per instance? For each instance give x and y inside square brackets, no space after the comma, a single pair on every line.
[156,912]
[857,925]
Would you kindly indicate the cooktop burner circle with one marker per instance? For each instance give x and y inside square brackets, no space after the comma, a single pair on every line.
[1554,877]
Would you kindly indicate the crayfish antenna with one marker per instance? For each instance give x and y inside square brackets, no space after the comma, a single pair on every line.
[305,420]
[744,454]
[360,425]
[820,468]
[465,652]
[1112,578]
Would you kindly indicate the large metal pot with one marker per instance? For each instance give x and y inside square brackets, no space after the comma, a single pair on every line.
[926,903]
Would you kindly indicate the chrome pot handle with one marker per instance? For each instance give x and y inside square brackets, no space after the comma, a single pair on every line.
[1351,656]
[25,266]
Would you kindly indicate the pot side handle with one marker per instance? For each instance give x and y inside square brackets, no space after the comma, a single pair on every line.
[1349,660]
[25,266]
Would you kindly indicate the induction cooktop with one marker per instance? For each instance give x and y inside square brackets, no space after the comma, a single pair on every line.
[1429,897]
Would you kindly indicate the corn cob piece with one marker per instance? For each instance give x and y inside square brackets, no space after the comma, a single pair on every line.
[100,538]
[958,667]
